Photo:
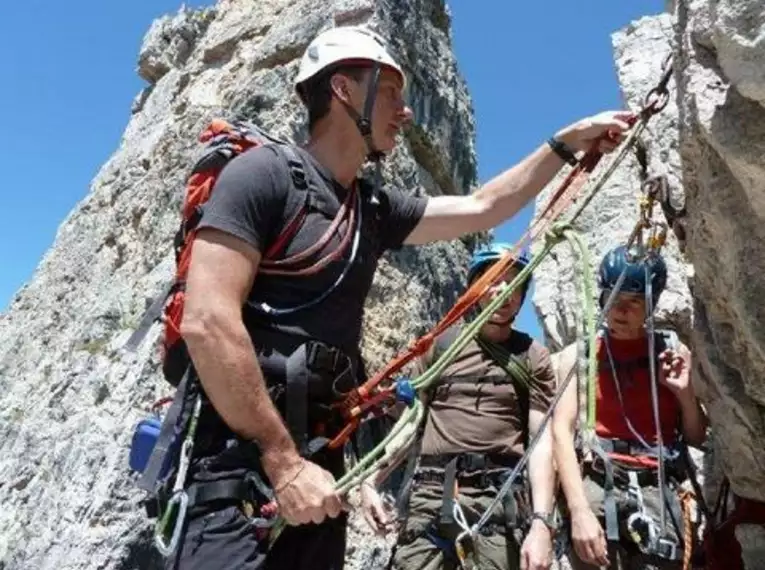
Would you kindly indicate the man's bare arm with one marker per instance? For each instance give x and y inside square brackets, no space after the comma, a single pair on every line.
[220,277]
[694,420]
[449,217]
[541,467]
[693,416]
[564,426]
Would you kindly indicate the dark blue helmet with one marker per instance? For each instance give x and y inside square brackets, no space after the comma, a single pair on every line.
[615,261]
[483,258]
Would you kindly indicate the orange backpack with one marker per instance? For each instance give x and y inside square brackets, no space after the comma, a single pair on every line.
[224,141]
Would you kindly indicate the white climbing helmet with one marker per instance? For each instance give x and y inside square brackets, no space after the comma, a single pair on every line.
[344,43]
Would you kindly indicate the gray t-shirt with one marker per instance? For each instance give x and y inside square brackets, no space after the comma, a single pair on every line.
[255,198]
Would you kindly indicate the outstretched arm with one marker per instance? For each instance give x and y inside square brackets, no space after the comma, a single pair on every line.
[449,217]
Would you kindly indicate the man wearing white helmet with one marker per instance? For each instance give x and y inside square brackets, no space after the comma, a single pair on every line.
[253,423]
[358,51]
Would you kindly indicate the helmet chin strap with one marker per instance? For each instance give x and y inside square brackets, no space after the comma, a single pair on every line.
[364,124]
[364,121]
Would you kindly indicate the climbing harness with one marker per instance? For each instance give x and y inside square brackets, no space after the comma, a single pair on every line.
[478,469]
[171,500]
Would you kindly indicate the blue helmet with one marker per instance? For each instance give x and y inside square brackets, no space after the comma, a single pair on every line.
[485,257]
[613,264]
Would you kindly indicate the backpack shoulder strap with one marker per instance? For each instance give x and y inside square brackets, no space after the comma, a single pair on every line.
[305,177]
[298,170]
[519,372]
[302,181]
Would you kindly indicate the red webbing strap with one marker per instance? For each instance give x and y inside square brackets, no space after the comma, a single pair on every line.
[359,401]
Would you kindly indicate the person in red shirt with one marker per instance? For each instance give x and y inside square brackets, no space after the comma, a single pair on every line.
[620,471]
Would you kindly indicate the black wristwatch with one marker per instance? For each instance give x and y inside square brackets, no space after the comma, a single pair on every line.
[546,518]
[563,150]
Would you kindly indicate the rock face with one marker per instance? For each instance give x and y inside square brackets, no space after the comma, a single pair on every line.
[721,96]
[69,398]
[710,142]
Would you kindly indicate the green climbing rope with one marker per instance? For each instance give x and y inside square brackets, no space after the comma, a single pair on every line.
[414,413]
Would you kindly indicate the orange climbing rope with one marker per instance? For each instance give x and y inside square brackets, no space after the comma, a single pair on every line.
[686,500]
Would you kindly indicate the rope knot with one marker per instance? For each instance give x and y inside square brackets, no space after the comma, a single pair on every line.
[557,231]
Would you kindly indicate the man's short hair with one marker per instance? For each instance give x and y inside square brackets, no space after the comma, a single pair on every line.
[317,91]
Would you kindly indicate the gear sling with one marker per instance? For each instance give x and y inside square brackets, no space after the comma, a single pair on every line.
[162,450]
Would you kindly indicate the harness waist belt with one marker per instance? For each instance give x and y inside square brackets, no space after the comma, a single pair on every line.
[469,461]
[645,477]
[200,493]
[634,448]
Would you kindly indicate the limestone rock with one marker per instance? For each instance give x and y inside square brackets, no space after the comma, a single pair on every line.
[69,397]
[738,37]
[722,145]
[169,42]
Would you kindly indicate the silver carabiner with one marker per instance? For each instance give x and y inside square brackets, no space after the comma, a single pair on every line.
[642,530]
[181,498]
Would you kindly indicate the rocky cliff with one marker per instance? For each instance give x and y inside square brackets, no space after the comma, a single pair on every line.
[709,142]
[721,99]
[69,398]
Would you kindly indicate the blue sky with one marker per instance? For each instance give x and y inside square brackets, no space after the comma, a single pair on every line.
[68,80]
